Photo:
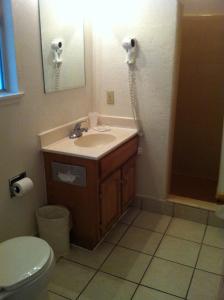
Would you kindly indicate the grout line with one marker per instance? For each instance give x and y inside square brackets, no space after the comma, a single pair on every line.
[221,275]
[152,258]
[180,238]
[149,287]
[97,270]
[168,234]
[209,245]
[207,218]
[134,282]
[151,255]
[199,252]
[173,212]
[147,229]
[138,251]
[112,249]
[81,264]
[119,277]
[175,262]
[57,294]
[162,258]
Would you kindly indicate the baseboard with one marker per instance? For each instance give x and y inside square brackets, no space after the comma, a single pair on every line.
[178,210]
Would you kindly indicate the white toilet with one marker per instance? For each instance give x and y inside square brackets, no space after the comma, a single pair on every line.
[26,264]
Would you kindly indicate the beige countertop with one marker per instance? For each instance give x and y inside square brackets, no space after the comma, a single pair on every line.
[77,147]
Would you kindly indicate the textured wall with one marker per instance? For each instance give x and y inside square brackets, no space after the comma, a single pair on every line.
[22,120]
[154,24]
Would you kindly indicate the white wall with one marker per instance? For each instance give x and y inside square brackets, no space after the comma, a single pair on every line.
[154,24]
[22,120]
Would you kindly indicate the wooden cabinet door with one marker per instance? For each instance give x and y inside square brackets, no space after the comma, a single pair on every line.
[110,192]
[128,183]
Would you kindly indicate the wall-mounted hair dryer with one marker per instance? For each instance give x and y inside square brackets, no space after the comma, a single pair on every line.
[130,45]
[57,48]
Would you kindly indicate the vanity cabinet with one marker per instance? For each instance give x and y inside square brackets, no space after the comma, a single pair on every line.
[128,183]
[110,201]
[104,195]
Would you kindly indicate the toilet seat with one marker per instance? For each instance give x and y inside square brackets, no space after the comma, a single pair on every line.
[22,259]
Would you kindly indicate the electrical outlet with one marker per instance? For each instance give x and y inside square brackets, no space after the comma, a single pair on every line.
[110,97]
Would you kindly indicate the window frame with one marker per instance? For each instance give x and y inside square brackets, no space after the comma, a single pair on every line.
[8,51]
[2,63]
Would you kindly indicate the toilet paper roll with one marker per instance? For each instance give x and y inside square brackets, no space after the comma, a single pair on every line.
[22,187]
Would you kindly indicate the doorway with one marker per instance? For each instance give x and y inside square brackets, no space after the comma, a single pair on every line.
[200,107]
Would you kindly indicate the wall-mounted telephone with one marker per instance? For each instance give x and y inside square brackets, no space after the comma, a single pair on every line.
[57,48]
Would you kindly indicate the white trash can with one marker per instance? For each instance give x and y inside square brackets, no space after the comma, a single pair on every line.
[53,227]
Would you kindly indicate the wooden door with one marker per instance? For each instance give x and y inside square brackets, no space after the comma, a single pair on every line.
[110,193]
[128,183]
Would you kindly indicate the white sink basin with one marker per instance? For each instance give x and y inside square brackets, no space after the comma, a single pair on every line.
[92,145]
[94,140]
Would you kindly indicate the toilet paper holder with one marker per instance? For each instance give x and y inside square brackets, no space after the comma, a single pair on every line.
[13,180]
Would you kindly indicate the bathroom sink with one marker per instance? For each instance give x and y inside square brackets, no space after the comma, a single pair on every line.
[92,144]
[94,140]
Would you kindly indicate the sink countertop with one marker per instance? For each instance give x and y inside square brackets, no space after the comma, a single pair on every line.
[67,146]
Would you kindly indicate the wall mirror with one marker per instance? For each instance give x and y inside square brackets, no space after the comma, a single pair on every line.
[62,41]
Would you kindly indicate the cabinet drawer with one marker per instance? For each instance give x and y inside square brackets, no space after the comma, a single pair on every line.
[118,157]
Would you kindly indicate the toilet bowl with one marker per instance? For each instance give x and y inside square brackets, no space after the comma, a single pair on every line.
[26,264]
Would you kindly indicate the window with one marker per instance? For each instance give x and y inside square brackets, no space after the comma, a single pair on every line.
[1,70]
[8,71]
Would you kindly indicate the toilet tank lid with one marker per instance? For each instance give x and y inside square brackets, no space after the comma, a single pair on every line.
[20,258]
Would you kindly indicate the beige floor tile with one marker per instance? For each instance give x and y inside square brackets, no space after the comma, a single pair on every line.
[186,230]
[142,240]
[90,258]
[157,207]
[144,293]
[168,277]
[215,221]
[127,264]
[211,259]
[151,221]
[69,279]
[53,296]
[214,236]
[206,286]
[116,233]
[107,287]
[177,250]
[131,214]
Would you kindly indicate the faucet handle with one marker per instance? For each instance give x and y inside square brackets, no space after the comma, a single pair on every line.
[79,124]
[77,131]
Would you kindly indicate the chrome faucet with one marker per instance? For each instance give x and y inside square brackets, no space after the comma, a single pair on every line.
[78,130]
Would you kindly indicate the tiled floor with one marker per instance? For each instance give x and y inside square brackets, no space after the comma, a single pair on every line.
[146,256]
